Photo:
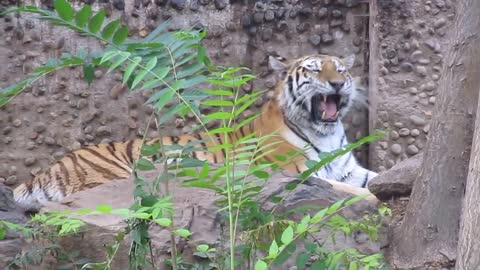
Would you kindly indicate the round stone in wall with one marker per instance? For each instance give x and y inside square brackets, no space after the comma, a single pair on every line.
[17,122]
[220,4]
[421,71]
[417,120]
[322,13]
[396,149]
[178,4]
[394,135]
[30,161]
[119,4]
[404,132]
[415,132]
[412,149]
[11,180]
[269,15]
[103,131]
[315,39]
[327,38]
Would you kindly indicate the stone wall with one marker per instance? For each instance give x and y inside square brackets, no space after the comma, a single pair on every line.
[408,40]
[61,112]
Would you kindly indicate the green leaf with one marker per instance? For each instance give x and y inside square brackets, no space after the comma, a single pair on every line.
[151,63]
[110,28]
[120,59]
[104,208]
[109,55]
[81,18]
[159,76]
[64,10]
[261,174]
[202,248]
[171,111]
[336,258]
[355,199]
[291,185]
[183,233]
[166,97]
[219,92]
[334,207]
[302,260]
[83,211]
[319,265]
[121,211]
[164,222]
[246,121]
[142,215]
[219,116]
[150,149]
[302,226]
[96,22]
[193,94]
[204,172]
[160,28]
[139,77]
[287,235]
[275,199]
[309,246]
[319,216]
[217,103]
[120,35]
[192,81]
[2,233]
[353,266]
[190,70]
[261,265]
[145,165]
[131,67]
[383,210]
[273,250]
[220,130]
[88,73]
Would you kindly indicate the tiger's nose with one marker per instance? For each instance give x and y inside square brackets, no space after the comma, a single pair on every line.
[336,85]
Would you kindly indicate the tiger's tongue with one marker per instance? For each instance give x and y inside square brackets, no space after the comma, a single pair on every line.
[330,109]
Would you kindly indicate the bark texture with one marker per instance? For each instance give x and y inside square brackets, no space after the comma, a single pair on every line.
[468,252]
[428,234]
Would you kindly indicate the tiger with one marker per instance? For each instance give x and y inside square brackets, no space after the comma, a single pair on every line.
[312,96]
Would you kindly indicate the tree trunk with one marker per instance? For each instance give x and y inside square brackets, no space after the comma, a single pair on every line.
[468,252]
[428,234]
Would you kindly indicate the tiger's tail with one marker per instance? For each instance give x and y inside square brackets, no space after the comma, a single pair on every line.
[32,194]
[82,169]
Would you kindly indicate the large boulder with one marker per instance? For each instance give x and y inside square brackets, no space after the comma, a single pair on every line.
[12,244]
[397,181]
[196,211]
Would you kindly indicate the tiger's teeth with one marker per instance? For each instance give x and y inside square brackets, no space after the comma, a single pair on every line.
[336,115]
[325,98]
[324,115]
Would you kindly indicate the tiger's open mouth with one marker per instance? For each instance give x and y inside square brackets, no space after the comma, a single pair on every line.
[325,108]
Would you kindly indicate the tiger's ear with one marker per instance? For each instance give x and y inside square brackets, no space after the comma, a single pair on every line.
[349,61]
[277,64]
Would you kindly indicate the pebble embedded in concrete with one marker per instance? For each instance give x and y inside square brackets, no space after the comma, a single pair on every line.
[396,149]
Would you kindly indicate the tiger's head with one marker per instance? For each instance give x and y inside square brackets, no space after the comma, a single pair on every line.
[316,91]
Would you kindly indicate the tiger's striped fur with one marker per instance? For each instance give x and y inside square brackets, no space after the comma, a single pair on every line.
[302,114]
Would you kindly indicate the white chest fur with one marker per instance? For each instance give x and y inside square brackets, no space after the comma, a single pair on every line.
[341,168]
